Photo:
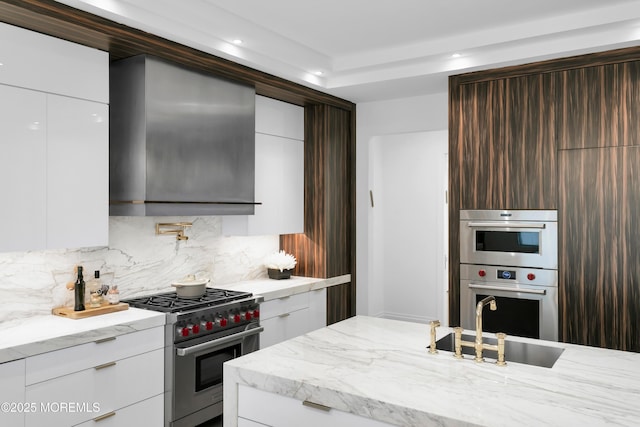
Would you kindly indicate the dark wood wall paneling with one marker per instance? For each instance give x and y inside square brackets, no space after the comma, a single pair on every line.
[561,134]
[327,248]
[599,205]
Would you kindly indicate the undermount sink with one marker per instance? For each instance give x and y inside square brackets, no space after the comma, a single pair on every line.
[514,351]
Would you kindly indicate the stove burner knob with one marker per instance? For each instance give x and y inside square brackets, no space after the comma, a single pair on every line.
[247,315]
[531,276]
[184,332]
[256,313]
[482,273]
[207,325]
[195,329]
[223,322]
[236,318]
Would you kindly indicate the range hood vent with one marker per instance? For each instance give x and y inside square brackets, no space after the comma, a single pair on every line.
[181,142]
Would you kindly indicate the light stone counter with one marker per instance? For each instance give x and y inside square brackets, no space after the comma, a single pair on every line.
[381,369]
[273,289]
[40,334]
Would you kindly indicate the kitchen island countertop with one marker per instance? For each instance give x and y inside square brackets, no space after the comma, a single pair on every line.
[381,369]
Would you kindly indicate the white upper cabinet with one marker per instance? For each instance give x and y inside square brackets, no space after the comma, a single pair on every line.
[47,64]
[279,118]
[54,137]
[279,172]
[23,119]
[77,173]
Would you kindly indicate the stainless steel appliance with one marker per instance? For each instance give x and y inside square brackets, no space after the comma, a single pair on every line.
[527,300]
[182,142]
[513,256]
[526,238]
[200,335]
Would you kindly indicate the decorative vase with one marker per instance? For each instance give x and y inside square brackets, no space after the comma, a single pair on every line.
[274,273]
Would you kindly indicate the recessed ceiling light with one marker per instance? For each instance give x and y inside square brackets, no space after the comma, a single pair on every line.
[237,41]
[456,55]
[318,73]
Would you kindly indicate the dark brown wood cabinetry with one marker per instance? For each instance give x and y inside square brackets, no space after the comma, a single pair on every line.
[599,246]
[599,106]
[562,135]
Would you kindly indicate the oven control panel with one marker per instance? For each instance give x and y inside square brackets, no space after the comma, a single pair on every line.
[508,275]
[211,321]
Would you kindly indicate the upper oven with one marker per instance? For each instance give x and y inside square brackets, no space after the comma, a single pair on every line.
[525,238]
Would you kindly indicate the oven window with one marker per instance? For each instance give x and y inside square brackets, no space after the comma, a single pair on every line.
[514,316]
[526,242]
[209,366]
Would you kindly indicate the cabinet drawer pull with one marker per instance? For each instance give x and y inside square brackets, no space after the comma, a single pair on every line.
[106,365]
[286,297]
[105,340]
[316,405]
[104,416]
[284,315]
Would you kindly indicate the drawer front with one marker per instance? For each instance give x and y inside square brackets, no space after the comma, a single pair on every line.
[96,391]
[275,410]
[274,331]
[276,307]
[148,413]
[73,359]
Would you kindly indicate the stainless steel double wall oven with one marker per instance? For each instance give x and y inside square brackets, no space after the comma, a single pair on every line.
[512,255]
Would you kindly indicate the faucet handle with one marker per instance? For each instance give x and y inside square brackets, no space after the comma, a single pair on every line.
[432,347]
[501,336]
[458,342]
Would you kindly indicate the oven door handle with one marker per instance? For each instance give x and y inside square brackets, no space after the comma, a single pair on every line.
[219,342]
[500,288]
[506,225]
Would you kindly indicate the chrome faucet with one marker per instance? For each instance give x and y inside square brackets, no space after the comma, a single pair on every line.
[478,345]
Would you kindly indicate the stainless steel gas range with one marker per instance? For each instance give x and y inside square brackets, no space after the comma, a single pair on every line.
[200,335]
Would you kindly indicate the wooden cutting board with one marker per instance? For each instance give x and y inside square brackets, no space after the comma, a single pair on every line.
[89,311]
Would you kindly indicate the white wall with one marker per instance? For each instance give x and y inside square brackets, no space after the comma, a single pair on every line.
[408,224]
[374,119]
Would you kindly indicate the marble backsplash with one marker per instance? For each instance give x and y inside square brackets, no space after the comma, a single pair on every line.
[137,260]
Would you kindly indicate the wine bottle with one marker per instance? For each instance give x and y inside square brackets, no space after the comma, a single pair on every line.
[79,291]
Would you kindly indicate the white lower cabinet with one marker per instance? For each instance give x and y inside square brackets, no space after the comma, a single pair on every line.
[317,309]
[261,408]
[12,393]
[291,316]
[98,381]
[149,412]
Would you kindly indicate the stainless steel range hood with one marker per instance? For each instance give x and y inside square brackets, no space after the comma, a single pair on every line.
[181,142]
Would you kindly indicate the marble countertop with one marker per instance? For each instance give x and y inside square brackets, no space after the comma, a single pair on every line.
[381,369]
[273,289]
[40,334]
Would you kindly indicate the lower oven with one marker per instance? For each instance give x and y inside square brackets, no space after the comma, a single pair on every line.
[527,300]
[197,373]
